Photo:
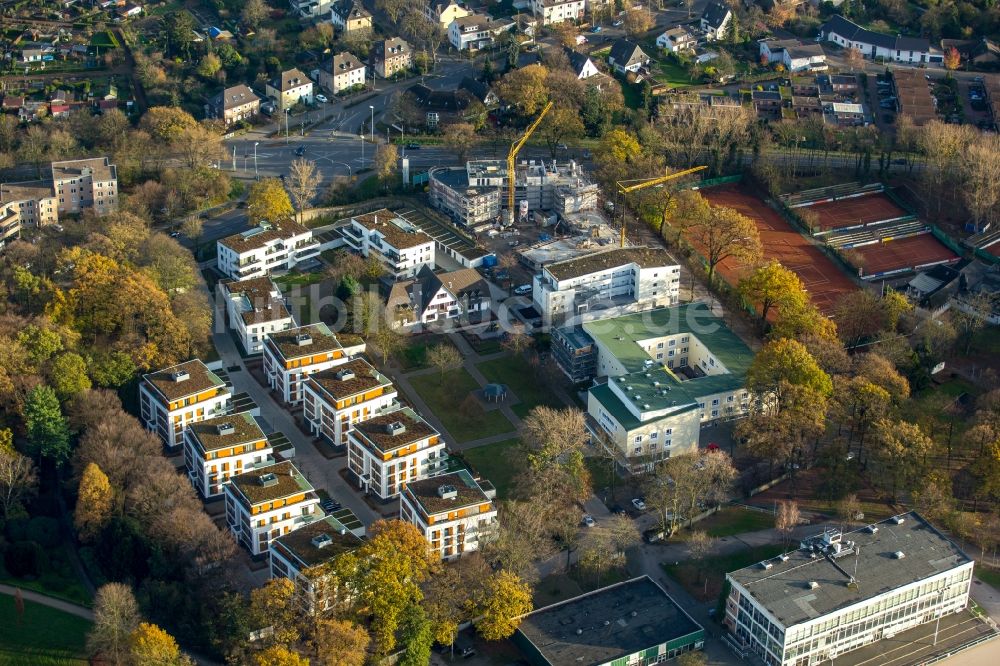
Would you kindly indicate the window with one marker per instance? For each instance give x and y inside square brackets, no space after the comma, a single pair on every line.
[654,435]
[638,439]
[669,431]
[673,342]
[715,413]
[729,399]
[660,345]
[715,403]
[637,451]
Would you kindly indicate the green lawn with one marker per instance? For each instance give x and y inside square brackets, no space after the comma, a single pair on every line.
[296,279]
[734,520]
[496,462]
[45,637]
[57,578]
[674,75]
[693,575]
[414,356]
[520,378]
[450,398]
[632,95]
[600,474]
[988,576]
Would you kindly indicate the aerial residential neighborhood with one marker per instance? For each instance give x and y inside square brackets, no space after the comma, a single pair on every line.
[533,332]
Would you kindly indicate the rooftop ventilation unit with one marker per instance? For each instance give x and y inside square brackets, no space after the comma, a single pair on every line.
[345,375]
[303,339]
[269,479]
[898,555]
[766,566]
[448,492]
[395,428]
[342,531]
[645,406]
[180,376]
[899,520]
[872,529]
[225,429]
[813,585]
[783,557]
[322,540]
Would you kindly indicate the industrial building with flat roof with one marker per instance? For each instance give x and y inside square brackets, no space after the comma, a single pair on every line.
[634,622]
[841,591]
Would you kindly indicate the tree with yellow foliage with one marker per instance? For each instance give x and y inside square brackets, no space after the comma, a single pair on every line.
[772,285]
[268,201]
[166,123]
[149,644]
[718,232]
[277,655]
[525,88]
[507,598]
[94,502]
[340,643]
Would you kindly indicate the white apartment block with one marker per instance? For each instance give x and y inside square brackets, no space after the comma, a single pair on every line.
[290,88]
[271,246]
[343,73]
[557,11]
[452,511]
[389,451]
[666,372]
[301,556]
[399,245]
[293,354]
[336,399]
[545,185]
[172,399]
[223,447]
[839,592]
[471,33]
[73,186]
[267,502]
[621,280]
[255,308]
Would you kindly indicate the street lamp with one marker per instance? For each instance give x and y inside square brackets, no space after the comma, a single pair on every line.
[362,137]
[256,175]
[373,122]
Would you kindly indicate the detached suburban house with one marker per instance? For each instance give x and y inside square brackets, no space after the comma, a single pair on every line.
[342,73]
[443,13]
[557,11]
[235,104]
[289,88]
[875,45]
[350,15]
[794,55]
[471,32]
[715,20]
[390,56]
[436,297]
[676,40]
[582,65]
[627,57]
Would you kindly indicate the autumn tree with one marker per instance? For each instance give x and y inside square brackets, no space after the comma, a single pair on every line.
[275,606]
[443,356]
[48,435]
[679,484]
[787,519]
[459,138]
[18,479]
[525,89]
[786,361]
[94,502]
[952,59]
[554,439]
[392,8]
[303,181]
[901,452]
[254,13]
[386,163]
[772,285]
[854,58]
[416,636]
[278,655]
[718,232]
[637,22]
[268,201]
[116,617]
[166,123]
[339,643]
[700,544]
[148,644]
[507,598]
[68,375]
[198,146]
[560,125]
[517,340]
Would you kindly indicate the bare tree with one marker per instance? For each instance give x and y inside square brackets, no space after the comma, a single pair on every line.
[787,519]
[517,340]
[18,480]
[443,356]
[854,58]
[700,544]
[116,615]
[303,181]
[849,509]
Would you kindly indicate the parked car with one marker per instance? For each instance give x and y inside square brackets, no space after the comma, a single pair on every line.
[654,535]
[596,29]
[413,146]
[321,99]
[586,153]
[562,146]
[523,289]
[464,647]
[330,505]
[588,520]
[300,151]
[639,503]
[619,510]
[619,23]
[173,234]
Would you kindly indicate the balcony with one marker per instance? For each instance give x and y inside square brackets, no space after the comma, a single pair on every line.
[304,252]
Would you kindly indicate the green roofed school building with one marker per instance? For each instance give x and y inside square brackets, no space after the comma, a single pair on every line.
[659,375]
[632,623]
[839,592]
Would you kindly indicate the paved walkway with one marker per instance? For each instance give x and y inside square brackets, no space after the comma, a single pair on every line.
[51,602]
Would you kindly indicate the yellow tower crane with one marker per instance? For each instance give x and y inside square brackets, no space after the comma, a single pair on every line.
[624,189]
[515,148]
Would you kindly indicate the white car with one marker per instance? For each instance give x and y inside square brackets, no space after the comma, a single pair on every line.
[619,23]
[523,289]
[321,99]
[639,504]
[588,520]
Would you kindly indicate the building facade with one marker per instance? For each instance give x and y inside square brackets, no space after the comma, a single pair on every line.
[289,88]
[335,399]
[391,450]
[235,104]
[839,592]
[471,32]
[345,72]
[473,208]
[874,45]
[436,298]
[391,56]
[399,245]
[219,448]
[172,399]
[350,16]
[452,511]
[715,20]
[267,502]
[300,557]
[622,280]
[661,374]
[271,246]
[550,12]
[255,308]
[676,40]
[293,354]
[794,55]
[443,13]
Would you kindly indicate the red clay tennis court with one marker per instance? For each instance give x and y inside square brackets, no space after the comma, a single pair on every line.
[856,211]
[825,282]
[902,253]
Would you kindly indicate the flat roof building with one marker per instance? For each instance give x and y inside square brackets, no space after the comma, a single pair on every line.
[634,622]
[172,399]
[839,592]
[453,511]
